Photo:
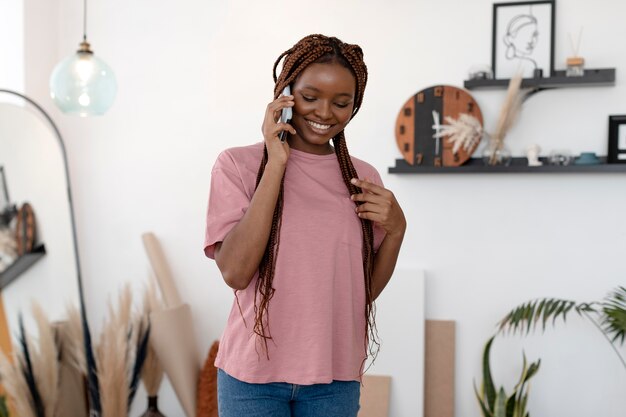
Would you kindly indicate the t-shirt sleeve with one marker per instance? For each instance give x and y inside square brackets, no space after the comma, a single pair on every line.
[379,232]
[228,202]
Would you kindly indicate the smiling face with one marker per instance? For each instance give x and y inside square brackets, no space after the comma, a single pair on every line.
[324,99]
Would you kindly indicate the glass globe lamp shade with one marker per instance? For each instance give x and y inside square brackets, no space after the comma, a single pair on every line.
[82,84]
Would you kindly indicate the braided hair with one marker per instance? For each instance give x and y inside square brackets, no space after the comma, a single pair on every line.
[317,49]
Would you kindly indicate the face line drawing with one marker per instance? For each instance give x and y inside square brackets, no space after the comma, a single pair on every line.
[521,37]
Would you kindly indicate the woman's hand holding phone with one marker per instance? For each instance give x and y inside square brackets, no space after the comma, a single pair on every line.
[277,150]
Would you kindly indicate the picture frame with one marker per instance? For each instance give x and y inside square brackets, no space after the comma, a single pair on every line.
[617,140]
[523,39]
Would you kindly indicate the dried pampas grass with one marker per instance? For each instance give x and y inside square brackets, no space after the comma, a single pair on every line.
[45,361]
[464,132]
[120,356]
[111,357]
[14,383]
[73,347]
[79,353]
[152,373]
[508,116]
[32,380]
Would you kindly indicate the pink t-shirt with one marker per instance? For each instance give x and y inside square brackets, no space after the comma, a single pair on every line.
[317,314]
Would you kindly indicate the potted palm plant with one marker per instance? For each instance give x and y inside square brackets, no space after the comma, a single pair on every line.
[607,315]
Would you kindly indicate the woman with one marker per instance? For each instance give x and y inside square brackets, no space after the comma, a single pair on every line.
[307,237]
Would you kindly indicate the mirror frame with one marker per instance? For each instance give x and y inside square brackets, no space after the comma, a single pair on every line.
[92,371]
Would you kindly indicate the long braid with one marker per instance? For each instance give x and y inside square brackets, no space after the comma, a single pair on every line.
[309,50]
[348,172]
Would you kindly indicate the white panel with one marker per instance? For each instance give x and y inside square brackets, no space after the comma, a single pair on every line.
[400,322]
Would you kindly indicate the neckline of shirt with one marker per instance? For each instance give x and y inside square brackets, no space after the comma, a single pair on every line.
[301,154]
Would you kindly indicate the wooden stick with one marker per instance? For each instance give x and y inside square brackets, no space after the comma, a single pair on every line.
[171,297]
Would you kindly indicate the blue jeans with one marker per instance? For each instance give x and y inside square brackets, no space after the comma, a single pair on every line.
[279,399]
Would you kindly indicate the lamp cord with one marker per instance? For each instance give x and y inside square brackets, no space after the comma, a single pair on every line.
[84,20]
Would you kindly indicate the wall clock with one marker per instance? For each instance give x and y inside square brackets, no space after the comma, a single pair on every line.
[424,114]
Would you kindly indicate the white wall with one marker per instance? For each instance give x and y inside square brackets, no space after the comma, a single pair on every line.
[194,78]
[11,44]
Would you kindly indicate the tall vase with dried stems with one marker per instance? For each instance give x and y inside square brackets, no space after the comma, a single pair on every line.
[497,152]
[152,372]
[153,408]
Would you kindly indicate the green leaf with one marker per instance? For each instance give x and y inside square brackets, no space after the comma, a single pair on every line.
[533,369]
[510,405]
[488,386]
[483,406]
[500,405]
[613,319]
[522,405]
[522,376]
[525,317]
[538,312]
[4,411]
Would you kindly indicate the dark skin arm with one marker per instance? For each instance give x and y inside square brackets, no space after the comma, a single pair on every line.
[380,206]
[238,256]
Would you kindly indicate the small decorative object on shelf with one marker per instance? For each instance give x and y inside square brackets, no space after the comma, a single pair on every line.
[497,153]
[480,72]
[560,157]
[587,158]
[575,66]
[576,63]
[422,137]
[533,156]
[617,139]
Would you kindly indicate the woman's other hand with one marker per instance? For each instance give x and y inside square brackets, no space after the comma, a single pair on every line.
[379,205]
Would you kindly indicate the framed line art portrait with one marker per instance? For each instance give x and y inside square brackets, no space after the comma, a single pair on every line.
[523,39]
[617,140]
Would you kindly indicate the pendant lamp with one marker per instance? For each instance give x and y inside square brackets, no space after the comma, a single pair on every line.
[82,84]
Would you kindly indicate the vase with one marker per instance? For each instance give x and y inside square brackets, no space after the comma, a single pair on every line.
[153,409]
[496,154]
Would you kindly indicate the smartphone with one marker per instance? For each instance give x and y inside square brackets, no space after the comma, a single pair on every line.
[285,115]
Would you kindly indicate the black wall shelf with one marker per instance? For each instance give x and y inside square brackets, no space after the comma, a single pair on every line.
[20,265]
[518,165]
[592,77]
